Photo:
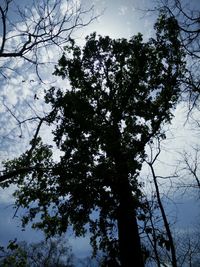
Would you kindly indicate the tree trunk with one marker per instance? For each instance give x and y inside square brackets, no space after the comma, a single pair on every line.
[164,216]
[129,240]
[128,234]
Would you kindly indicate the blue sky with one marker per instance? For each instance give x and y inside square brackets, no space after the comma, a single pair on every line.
[120,18]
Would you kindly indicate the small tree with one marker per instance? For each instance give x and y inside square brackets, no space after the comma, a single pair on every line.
[121,93]
[49,253]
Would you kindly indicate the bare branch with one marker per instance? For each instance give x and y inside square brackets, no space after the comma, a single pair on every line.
[191,165]
[44,24]
[164,216]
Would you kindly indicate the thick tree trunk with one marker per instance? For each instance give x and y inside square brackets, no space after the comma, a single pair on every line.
[129,240]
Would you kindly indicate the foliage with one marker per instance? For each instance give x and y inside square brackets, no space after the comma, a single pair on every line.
[121,93]
[187,17]
[13,256]
[49,253]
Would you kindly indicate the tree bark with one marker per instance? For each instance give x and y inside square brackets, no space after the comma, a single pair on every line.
[129,240]
[128,234]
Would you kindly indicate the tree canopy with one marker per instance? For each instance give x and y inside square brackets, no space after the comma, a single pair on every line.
[121,93]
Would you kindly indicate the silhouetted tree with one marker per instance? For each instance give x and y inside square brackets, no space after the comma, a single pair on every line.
[120,94]
[167,242]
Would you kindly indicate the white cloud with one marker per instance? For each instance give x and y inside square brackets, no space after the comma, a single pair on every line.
[70,7]
[123,10]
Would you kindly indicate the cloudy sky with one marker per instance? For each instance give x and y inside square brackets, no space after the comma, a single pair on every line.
[118,18]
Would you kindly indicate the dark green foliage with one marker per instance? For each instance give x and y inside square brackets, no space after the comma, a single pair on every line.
[121,92]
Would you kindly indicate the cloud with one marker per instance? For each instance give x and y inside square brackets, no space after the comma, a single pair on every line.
[123,10]
[70,7]
[81,246]
[6,195]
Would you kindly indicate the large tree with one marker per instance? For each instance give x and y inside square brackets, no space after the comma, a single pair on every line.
[120,94]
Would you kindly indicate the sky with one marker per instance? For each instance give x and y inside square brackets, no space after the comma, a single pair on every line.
[118,19]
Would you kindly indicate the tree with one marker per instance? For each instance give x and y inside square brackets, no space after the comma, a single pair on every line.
[13,255]
[121,92]
[51,252]
[188,248]
[169,242]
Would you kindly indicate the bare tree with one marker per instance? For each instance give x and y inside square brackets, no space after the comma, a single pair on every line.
[30,31]
[169,243]
[31,40]
[188,171]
